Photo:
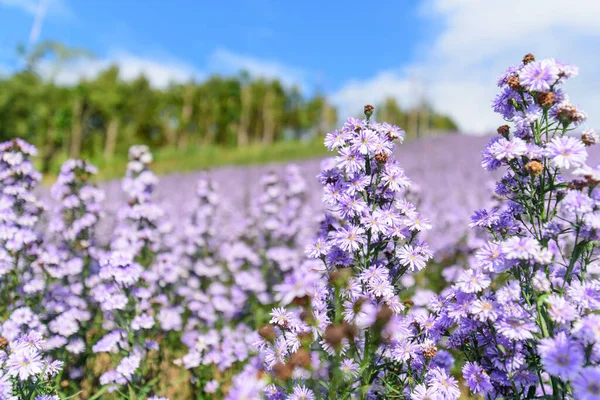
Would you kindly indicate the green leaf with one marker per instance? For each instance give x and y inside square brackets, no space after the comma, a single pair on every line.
[100,393]
[132,395]
[542,298]
[76,395]
[501,348]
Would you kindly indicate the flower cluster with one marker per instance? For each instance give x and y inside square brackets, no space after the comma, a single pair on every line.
[259,300]
[231,278]
[352,332]
[79,209]
[134,286]
[25,372]
[19,212]
[523,313]
[142,224]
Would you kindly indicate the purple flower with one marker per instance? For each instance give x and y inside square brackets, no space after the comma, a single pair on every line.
[335,139]
[484,310]
[301,392]
[516,328]
[586,386]
[539,76]
[477,378]
[350,368]
[484,218]
[143,321]
[129,365]
[576,203]
[350,161]
[422,392]
[411,257]
[508,150]
[211,386]
[491,257]
[350,237]
[24,362]
[443,385]
[566,152]
[364,142]
[560,309]
[520,248]
[561,356]
[471,281]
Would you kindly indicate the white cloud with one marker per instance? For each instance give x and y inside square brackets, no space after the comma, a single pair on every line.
[227,62]
[478,40]
[38,21]
[160,71]
[54,7]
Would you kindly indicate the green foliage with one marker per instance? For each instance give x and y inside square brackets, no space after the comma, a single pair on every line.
[169,159]
[100,118]
[417,121]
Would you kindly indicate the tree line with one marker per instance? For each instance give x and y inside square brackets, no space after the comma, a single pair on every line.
[103,116]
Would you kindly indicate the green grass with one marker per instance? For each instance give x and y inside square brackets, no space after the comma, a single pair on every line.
[170,160]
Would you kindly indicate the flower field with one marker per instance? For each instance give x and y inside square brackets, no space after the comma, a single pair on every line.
[450,267]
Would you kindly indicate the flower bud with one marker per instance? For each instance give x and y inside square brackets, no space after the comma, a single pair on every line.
[408,303]
[301,301]
[340,276]
[369,110]
[384,314]
[545,99]
[381,158]
[589,137]
[350,331]
[267,332]
[300,358]
[282,371]
[429,352]
[307,316]
[357,307]
[534,168]
[504,130]
[305,338]
[514,83]
[568,113]
[528,58]
[333,335]
[64,384]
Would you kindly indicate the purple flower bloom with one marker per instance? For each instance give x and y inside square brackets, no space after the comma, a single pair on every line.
[508,150]
[302,393]
[471,281]
[350,237]
[24,362]
[566,152]
[539,76]
[443,385]
[477,378]
[129,365]
[516,328]
[586,386]
[411,257]
[562,356]
[484,218]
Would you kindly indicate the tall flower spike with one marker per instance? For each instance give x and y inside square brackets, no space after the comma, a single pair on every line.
[519,310]
[19,213]
[350,320]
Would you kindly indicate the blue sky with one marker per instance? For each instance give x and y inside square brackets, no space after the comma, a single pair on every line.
[314,37]
[446,52]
